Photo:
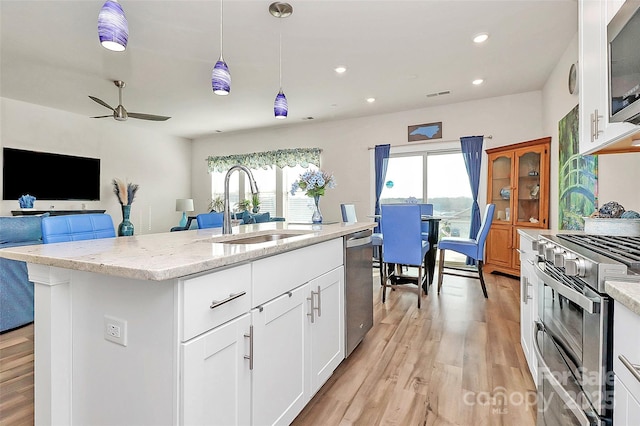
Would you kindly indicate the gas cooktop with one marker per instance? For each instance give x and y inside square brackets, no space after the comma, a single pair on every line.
[625,250]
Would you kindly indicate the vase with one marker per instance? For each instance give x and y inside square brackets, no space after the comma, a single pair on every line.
[126,227]
[317,215]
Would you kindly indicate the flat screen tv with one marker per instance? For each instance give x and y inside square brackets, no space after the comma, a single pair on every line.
[49,176]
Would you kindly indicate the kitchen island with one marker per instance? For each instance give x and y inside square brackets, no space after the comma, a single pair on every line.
[189,327]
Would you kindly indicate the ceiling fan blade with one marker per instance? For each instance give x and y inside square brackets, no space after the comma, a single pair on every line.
[101,102]
[148,116]
[103,116]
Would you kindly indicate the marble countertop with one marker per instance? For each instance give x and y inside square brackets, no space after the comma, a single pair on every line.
[172,255]
[625,292]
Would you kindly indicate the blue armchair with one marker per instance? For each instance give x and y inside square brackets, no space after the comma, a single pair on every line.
[210,220]
[16,291]
[77,227]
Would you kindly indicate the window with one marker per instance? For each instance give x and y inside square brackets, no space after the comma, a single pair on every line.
[274,185]
[438,178]
[298,207]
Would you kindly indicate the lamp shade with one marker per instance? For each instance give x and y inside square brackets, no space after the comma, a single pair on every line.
[113,29]
[280,106]
[184,205]
[221,78]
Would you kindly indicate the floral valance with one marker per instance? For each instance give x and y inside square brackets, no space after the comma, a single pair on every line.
[267,159]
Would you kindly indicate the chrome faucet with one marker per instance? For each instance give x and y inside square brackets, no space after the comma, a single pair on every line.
[226,224]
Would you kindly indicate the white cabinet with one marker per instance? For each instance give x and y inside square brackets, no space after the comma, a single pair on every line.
[279,358]
[528,300]
[259,340]
[626,358]
[216,380]
[595,129]
[326,327]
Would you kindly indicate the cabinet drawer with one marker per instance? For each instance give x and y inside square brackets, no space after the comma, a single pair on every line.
[276,275]
[229,289]
[625,324]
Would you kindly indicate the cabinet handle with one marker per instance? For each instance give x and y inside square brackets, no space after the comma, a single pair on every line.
[524,290]
[633,368]
[216,303]
[591,129]
[319,308]
[519,251]
[311,309]
[250,356]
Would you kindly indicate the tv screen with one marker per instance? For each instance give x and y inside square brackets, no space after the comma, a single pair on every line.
[49,176]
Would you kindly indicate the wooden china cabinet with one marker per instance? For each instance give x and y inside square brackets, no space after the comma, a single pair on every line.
[518,184]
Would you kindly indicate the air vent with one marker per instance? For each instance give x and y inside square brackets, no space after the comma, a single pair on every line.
[307,118]
[434,94]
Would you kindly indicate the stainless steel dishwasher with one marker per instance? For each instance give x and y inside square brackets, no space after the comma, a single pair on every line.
[358,254]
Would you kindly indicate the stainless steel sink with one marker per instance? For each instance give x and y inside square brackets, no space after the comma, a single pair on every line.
[255,238]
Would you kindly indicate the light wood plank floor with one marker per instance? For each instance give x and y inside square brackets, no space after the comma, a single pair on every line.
[456,361]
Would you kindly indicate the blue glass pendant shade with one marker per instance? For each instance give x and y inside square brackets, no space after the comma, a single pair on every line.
[113,29]
[221,78]
[280,106]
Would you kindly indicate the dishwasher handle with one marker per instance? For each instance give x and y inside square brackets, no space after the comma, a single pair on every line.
[357,242]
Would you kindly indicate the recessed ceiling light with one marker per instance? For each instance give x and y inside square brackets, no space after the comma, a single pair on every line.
[478,81]
[340,69]
[480,38]
[371,100]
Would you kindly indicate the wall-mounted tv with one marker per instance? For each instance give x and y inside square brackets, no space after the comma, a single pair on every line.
[49,176]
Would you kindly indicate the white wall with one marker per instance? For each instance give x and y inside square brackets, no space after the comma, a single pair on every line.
[617,173]
[346,143]
[159,163]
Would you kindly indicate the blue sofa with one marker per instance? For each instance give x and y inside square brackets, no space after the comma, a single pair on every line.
[16,291]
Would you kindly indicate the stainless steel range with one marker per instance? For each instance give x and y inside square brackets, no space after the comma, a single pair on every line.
[574,335]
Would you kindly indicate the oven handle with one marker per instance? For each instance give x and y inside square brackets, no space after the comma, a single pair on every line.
[578,298]
[544,370]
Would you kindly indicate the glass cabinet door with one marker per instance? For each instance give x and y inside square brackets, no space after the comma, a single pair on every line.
[527,204]
[501,187]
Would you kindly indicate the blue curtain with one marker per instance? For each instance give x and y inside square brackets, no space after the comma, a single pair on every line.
[381,162]
[472,154]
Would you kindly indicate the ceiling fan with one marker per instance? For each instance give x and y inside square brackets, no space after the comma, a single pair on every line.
[121,114]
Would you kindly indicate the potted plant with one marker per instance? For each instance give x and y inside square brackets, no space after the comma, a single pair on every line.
[244,205]
[255,201]
[216,205]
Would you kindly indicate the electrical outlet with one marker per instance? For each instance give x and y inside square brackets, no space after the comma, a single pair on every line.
[115,330]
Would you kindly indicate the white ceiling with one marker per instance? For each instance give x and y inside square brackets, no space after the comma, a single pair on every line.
[395,51]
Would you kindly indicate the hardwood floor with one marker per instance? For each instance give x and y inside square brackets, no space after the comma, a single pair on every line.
[16,377]
[456,361]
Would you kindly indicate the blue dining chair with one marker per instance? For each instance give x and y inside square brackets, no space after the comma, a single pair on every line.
[77,227]
[349,215]
[403,245]
[210,220]
[472,247]
[426,210]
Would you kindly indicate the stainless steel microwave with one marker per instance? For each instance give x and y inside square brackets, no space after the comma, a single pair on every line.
[623,39]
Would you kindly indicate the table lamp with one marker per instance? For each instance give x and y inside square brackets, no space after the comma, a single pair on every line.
[184,205]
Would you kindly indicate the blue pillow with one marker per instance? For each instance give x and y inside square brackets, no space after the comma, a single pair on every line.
[17,229]
[248,218]
[262,217]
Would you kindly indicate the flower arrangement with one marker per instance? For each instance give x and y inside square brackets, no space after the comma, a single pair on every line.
[26,201]
[125,193]
[314,183]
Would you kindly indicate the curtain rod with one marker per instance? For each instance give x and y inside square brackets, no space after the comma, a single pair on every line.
[428,142]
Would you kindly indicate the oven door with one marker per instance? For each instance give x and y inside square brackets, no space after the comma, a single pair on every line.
[561,401]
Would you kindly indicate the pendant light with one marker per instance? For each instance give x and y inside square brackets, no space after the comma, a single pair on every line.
[113,29]
[220,76]
[280,106]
